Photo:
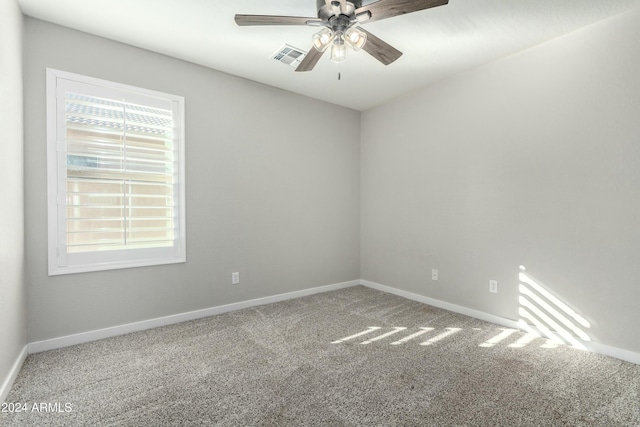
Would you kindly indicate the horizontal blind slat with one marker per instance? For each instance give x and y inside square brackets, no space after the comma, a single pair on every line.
[119,175]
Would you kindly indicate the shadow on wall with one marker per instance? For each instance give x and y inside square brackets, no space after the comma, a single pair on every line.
[544,314]
[546,320]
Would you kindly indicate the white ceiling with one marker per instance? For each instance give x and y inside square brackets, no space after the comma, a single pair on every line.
[437,43]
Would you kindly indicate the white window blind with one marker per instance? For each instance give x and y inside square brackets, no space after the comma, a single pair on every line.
[117,197]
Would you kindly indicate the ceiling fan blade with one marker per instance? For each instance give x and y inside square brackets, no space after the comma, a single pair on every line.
[310,60]
[380,49]
[248,20]
[383,9]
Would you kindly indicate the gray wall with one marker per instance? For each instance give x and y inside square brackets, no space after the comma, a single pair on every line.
[532,160]
[268,194]
[12,293]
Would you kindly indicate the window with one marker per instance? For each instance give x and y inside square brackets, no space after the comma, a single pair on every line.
[115,175]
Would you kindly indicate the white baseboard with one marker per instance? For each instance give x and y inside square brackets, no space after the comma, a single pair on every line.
[13,374]
[51,344]
[618,353]
[444,305]
[69,340]
[590,346]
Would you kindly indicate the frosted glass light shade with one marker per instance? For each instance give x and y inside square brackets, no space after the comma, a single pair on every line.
[338,50]
[323,39]
[355,38]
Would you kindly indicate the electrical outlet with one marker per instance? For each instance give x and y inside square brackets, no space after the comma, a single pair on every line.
[493,286]
[434,274]
[235,278]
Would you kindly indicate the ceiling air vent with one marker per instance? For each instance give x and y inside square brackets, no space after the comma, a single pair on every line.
[289,55]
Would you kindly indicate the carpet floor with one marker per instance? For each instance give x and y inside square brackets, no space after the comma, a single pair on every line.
[353,357]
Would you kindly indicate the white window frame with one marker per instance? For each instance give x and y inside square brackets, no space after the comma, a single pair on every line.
[59,261]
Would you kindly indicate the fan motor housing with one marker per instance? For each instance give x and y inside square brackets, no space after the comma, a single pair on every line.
[356,3]
[326,12]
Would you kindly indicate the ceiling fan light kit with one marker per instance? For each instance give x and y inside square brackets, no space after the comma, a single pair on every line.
[340,19]
[353,37]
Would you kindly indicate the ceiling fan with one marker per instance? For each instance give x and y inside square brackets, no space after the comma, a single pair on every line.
[340,19]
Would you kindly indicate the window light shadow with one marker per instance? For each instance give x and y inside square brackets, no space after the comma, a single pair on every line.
[383,336]
[506,333]
[422,331]
[396,330]
[544,314]
[440,337]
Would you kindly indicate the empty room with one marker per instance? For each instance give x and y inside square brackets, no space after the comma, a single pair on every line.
[319,212]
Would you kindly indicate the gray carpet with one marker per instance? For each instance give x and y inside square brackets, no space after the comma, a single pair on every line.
[294,364]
